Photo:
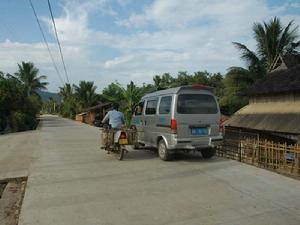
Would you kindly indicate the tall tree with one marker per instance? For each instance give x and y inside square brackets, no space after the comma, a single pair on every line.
[127,98]
[272,39]
[131,96]
[69,105]
[157,82]
[28,74]
[17,109]
[66,91]
[86,94]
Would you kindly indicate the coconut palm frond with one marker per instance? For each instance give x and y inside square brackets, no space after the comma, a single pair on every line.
[249,56]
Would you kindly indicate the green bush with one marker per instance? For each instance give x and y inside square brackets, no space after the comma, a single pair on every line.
[33,105]
[20,121]
[2,122]
[17,121]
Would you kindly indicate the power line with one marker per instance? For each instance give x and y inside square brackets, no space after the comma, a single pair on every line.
[61,54]
[46,43]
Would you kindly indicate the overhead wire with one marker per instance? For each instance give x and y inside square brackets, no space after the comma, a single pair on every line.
[58,42]
[46,43]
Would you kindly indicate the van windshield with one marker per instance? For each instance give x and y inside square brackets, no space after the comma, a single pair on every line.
[196,104]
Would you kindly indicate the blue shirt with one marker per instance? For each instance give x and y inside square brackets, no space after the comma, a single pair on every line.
[116,119]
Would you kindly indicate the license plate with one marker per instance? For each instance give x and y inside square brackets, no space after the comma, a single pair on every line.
[200,131]
[123,141]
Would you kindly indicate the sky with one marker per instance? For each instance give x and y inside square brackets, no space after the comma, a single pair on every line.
[108,40]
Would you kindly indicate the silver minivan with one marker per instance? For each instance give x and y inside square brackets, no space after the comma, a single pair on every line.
[179,119]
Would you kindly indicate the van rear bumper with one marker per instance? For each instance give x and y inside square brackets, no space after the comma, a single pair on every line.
[190,144]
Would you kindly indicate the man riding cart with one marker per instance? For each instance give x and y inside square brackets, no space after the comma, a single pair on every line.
[114,136]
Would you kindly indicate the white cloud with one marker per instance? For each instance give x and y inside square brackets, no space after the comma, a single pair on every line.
[167,36]
[295,5]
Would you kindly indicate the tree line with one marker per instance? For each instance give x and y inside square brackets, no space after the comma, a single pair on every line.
[19,100]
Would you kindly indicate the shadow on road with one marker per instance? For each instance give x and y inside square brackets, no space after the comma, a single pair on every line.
[141,154]
[150,153]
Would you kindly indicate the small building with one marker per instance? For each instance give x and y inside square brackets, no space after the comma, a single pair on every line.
[80,117]
[91,114]
[273,112]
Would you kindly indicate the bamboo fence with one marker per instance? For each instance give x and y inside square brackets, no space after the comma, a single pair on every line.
[282,158]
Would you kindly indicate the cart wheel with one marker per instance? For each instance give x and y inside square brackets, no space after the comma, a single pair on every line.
[136,146]
[122,151]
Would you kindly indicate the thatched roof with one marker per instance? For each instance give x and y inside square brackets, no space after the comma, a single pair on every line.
[285,62]
[98,107]
[283,117]
[281,81]
[291,60]
[280,123]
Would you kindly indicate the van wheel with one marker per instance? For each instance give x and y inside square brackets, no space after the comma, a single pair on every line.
[208,153]
[163,152]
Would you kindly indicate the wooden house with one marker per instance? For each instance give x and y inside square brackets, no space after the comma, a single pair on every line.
[273,112]
[91,114]
[80,117]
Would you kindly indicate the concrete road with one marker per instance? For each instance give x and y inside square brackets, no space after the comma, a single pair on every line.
[71,181]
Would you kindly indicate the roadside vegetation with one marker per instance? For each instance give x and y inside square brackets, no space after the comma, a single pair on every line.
[19,100]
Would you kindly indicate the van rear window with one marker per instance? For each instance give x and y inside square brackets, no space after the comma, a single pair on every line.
[196,104]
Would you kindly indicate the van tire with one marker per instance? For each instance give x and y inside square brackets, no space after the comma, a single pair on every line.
[208,153]
[163,152]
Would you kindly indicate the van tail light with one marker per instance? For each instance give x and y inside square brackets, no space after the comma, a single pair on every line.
[221,125]
[123,135]
[173,126]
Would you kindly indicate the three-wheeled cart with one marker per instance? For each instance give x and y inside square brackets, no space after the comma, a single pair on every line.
[115,141]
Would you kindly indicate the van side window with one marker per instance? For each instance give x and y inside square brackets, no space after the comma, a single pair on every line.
[165,105]
[151,107]
[139,109]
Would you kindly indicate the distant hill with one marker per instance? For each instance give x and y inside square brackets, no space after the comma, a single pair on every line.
[45,95]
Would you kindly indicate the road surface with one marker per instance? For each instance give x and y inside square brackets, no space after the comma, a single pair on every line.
[71,181]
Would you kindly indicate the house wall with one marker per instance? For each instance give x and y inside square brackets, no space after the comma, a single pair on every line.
[79,118]
[90,117]
[289,97]
[238,133]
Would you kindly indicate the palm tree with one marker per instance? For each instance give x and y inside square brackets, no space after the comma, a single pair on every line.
[272,39]
[157,82]
[86,94]
[256,66]
[28,76]
[131,96]
[127,97]
[69,106]
[66,91]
